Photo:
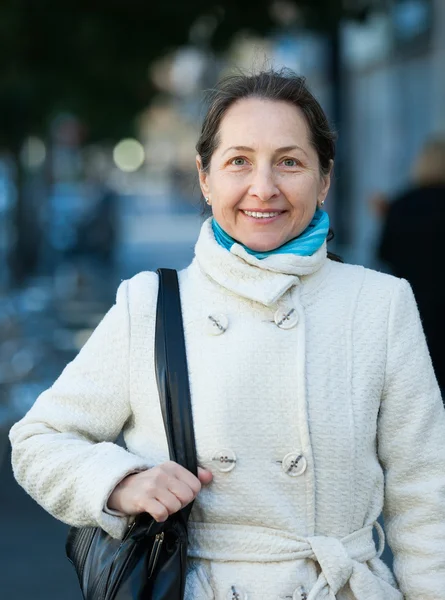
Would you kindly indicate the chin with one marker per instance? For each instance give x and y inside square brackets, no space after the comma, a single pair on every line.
[263,245]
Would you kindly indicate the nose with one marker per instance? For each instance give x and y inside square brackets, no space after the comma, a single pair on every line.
[263,185]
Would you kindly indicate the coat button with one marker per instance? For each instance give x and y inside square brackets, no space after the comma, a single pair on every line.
[286,318]
[299,594]
[236,593]
[224,460]
[217,324]
[294,464]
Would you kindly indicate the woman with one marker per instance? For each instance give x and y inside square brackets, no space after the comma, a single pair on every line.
[314,400]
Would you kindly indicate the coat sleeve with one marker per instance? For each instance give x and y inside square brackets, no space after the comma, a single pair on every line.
[63,450]
[411,443]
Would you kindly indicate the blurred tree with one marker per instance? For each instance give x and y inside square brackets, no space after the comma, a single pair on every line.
[92,58]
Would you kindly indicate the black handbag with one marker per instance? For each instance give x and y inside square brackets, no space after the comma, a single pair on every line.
[150,562]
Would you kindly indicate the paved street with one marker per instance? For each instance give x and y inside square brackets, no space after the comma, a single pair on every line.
[44,327]
[31,545]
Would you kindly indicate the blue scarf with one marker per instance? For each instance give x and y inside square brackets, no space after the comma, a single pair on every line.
[306,244]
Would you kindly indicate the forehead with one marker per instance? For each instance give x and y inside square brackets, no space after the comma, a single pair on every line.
[255,121]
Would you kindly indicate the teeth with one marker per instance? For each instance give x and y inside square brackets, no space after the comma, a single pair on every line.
[260,215]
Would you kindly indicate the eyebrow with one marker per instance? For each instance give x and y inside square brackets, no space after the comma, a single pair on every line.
[248,149]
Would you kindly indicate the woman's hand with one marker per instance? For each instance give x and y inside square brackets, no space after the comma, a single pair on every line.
[160,491]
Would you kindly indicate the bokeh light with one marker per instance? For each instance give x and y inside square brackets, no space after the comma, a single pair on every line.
[33,153]
[129,155]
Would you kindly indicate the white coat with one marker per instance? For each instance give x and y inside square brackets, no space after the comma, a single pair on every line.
[315,406]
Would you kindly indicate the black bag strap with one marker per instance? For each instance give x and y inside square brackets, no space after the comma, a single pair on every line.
[172,373]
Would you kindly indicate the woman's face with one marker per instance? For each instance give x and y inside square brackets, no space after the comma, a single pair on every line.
[264,181]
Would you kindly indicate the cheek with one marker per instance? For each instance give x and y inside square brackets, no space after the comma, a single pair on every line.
[228,193]
[302,192]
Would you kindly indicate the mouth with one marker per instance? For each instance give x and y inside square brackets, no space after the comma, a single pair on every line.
[262,215]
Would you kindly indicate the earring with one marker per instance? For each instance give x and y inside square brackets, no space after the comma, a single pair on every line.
[321,203]
[207,200]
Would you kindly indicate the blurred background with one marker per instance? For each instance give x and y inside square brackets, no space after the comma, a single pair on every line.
[100,107]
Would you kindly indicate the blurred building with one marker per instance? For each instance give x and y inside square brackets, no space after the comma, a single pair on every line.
[394,95]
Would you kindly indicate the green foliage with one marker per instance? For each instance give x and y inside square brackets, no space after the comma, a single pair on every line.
[92,58]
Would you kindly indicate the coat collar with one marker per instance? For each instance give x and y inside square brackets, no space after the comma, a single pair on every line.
[263,281]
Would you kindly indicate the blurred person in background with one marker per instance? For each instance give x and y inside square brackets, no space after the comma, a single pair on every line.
[412,244]
[97,232]
[314,399]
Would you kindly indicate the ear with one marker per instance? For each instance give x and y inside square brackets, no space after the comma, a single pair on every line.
[325,185]
[203,177]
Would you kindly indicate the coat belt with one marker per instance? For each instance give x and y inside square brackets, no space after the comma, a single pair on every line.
[340,560]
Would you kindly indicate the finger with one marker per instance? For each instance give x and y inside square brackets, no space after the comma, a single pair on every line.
[169,501]
[157,478]
[183,475]
[205,476]
[172,468]
[156,509]
[181,490]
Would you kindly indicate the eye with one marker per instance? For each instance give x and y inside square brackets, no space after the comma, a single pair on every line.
[239,161]
[289,162]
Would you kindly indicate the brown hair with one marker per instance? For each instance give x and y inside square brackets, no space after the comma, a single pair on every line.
[429,167]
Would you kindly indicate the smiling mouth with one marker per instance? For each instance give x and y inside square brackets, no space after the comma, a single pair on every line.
[262,214]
